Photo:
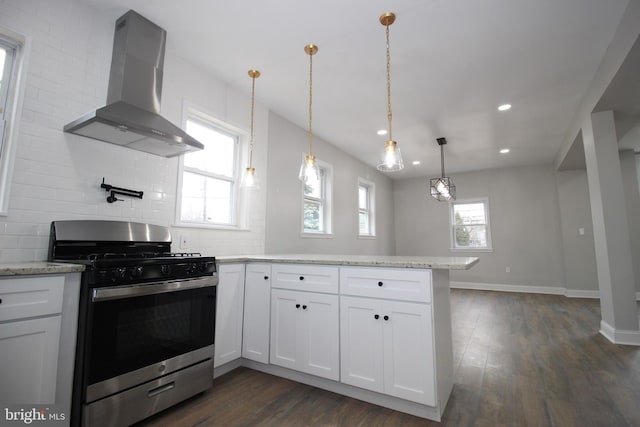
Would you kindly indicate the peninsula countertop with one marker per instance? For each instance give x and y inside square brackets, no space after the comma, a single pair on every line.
[38,267]
[425,262]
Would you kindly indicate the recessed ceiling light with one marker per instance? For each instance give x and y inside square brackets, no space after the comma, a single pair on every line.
[382,132]
[504,151]
[415,162]
[504,107]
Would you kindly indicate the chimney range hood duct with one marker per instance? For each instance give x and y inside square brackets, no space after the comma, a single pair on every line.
[131,117]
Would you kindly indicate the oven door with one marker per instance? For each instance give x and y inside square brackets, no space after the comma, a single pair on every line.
[141,332]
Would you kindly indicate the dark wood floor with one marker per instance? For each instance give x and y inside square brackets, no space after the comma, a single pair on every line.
[520,360]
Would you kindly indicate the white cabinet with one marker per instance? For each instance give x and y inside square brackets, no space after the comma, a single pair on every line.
[305,332]
[28,345]
[387,346]
[257,302]
[303,277]
[229,313]
[388,283]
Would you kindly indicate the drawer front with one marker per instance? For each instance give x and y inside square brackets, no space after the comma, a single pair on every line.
[388,283]
[303,277]
[32,296]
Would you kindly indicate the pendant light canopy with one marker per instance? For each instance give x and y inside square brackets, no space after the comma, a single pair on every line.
[309,167]
[391,158]
[442,189]
[249,177]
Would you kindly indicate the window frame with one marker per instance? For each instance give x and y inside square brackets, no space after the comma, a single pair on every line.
[453,226]
[239,197]
[13,110]
[325,202]
[370,210]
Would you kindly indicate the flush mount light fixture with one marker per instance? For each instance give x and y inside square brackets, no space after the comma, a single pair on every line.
[309,166]
[442,188]
[249,178]
[382,132]
[504,151]
[504,107]
[415,162]
[391,159]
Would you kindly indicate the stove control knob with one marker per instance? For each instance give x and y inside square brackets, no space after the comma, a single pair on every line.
[136,272]
[165,270]
[118,274]
[201,267]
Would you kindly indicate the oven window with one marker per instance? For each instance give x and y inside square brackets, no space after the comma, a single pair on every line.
[131,333]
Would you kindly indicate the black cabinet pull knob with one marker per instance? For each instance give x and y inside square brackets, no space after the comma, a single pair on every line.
[266,277]
[0,300]
[377,316]
[304,307]
[386,317]
[297,305]
[301,277]
[379,283]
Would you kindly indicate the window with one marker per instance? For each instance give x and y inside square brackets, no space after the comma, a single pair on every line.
[13,56]
[209,179]
[470,225]
[316,202]
[366,208]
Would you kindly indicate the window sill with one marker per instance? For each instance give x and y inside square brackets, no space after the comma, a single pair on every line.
[471,250]
[316,235]
[367,236]
[210,226]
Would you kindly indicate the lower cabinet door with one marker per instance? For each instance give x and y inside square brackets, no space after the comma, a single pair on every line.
[257,301]
[305,332]
[29,361]
[361,345]
[320,337]
[229,309]
[284,327]
[409,371]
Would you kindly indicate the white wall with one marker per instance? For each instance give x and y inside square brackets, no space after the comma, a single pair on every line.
[525,226]
[287,143]
[57,176]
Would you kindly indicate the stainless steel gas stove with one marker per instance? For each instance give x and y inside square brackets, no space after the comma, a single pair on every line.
[146,321]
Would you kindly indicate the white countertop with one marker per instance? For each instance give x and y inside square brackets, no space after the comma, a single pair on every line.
[447,263]
[38,267]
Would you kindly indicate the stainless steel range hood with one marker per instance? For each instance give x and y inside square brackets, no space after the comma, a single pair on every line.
[131,117]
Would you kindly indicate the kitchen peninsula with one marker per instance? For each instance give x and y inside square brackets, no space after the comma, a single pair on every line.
[375,328]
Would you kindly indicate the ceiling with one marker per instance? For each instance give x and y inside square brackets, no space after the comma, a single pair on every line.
[452,64]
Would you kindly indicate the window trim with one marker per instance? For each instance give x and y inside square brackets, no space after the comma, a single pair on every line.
[239,195]
[13,112]
[326,202]
[371,208]
[452,226]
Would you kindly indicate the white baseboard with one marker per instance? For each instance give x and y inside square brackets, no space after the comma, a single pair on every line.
[619,336]
[570,293]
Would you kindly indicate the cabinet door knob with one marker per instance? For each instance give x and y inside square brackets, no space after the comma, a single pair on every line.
[301,277]
[379,283]
[266,277]
[0,300]
[297,305]
[377,316]
[304,307]
[386,318]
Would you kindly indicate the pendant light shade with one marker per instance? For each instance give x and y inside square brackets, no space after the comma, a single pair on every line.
[391,158]
[249,179]
[309,167]
[442,188]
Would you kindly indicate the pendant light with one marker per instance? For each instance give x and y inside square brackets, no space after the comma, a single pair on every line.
[249,178]
[309,167]
[391,159]
[442,189]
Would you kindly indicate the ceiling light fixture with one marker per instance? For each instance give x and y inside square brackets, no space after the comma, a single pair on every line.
[382,132]
[249,178]
[504,151]
[309,167]
[391,159]
[442,189]
[504,107]
[415,162]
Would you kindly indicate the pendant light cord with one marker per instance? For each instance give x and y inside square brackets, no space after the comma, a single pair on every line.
[442,159]
[389,115]
[253,89]
[310,99]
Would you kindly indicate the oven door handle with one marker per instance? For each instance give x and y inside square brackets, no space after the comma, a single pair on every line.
[120,292]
